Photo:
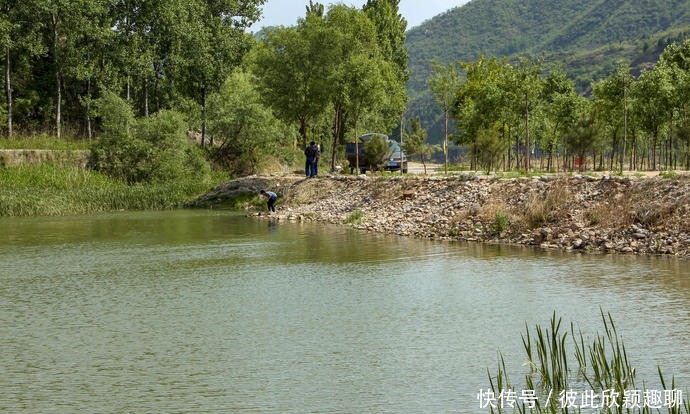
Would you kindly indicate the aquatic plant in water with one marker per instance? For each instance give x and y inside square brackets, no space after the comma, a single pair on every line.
[600,379]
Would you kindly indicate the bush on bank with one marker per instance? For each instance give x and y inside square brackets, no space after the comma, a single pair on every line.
[153,149]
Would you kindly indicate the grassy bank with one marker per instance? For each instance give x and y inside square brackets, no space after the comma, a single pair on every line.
[44,142]
[44,190]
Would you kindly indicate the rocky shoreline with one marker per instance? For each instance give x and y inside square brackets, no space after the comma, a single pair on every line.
[629,215]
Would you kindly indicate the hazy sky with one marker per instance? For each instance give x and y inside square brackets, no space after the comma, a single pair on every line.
[286,12]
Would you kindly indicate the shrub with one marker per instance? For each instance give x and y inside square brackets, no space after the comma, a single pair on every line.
[501,222]
[354,217]
[115,114]
[546,207]
[156,150]
[245,129]
[377,148]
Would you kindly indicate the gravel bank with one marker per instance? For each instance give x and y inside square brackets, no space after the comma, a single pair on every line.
[628,215]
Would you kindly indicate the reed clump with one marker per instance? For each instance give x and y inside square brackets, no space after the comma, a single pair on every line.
[49,190]
[547,206]
[600,367]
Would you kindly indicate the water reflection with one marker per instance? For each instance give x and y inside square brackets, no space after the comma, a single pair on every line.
[194,311]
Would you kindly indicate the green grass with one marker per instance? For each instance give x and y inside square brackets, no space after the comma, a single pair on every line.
[44,142]
[668,174]
[47,190]
[501,222]
[354,217]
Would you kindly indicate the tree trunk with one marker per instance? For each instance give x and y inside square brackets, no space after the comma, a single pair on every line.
[88,108]
[402,120]
[625,124]
[445,143]
[654,145]
[336,135]
[356,148]
[146,98]
[527,153]
[517,151]
[8,92]
[303,132]
[203,119]
[58,81]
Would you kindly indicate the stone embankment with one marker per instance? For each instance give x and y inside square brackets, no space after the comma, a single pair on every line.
[632,215]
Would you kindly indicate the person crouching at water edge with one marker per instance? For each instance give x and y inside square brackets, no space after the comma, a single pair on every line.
[271,199]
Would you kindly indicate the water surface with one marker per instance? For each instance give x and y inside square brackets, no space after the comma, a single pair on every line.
[212,312]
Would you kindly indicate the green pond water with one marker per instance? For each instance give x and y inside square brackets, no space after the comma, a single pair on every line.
[213,312]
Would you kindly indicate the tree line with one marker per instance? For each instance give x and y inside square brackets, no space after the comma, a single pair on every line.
[338,71]
[62,55]
[513,115]
[85,65]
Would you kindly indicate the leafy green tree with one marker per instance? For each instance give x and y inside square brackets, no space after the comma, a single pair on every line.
[246,129]
[562,110]
[354,43]
[490,146]
[365,80]
[611,101]
[581,138]
[212,42]
[17,40]
[415,142]
[390,28]
[525,91]
[675,60]
[444,84]
[363,86]
[75,28]
[480,101]
[292,68]
[652,95]
[138,45]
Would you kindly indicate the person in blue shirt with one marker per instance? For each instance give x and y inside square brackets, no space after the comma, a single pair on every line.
[271,199]
[312,152]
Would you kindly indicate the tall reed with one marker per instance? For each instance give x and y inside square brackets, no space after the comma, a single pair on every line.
[602,365]
[48,190]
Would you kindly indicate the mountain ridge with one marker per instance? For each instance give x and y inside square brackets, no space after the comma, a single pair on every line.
[584,37]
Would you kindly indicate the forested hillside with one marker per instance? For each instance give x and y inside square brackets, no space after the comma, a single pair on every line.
[584,37]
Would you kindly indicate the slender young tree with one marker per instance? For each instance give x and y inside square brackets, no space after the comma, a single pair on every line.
[526,92]
[415,142]
[390,28]
[444,84]
[290,68]
[212,41]
[610,98]
[653,95]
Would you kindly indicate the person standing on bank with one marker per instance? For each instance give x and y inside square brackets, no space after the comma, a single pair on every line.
[271,199]
[312,154]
